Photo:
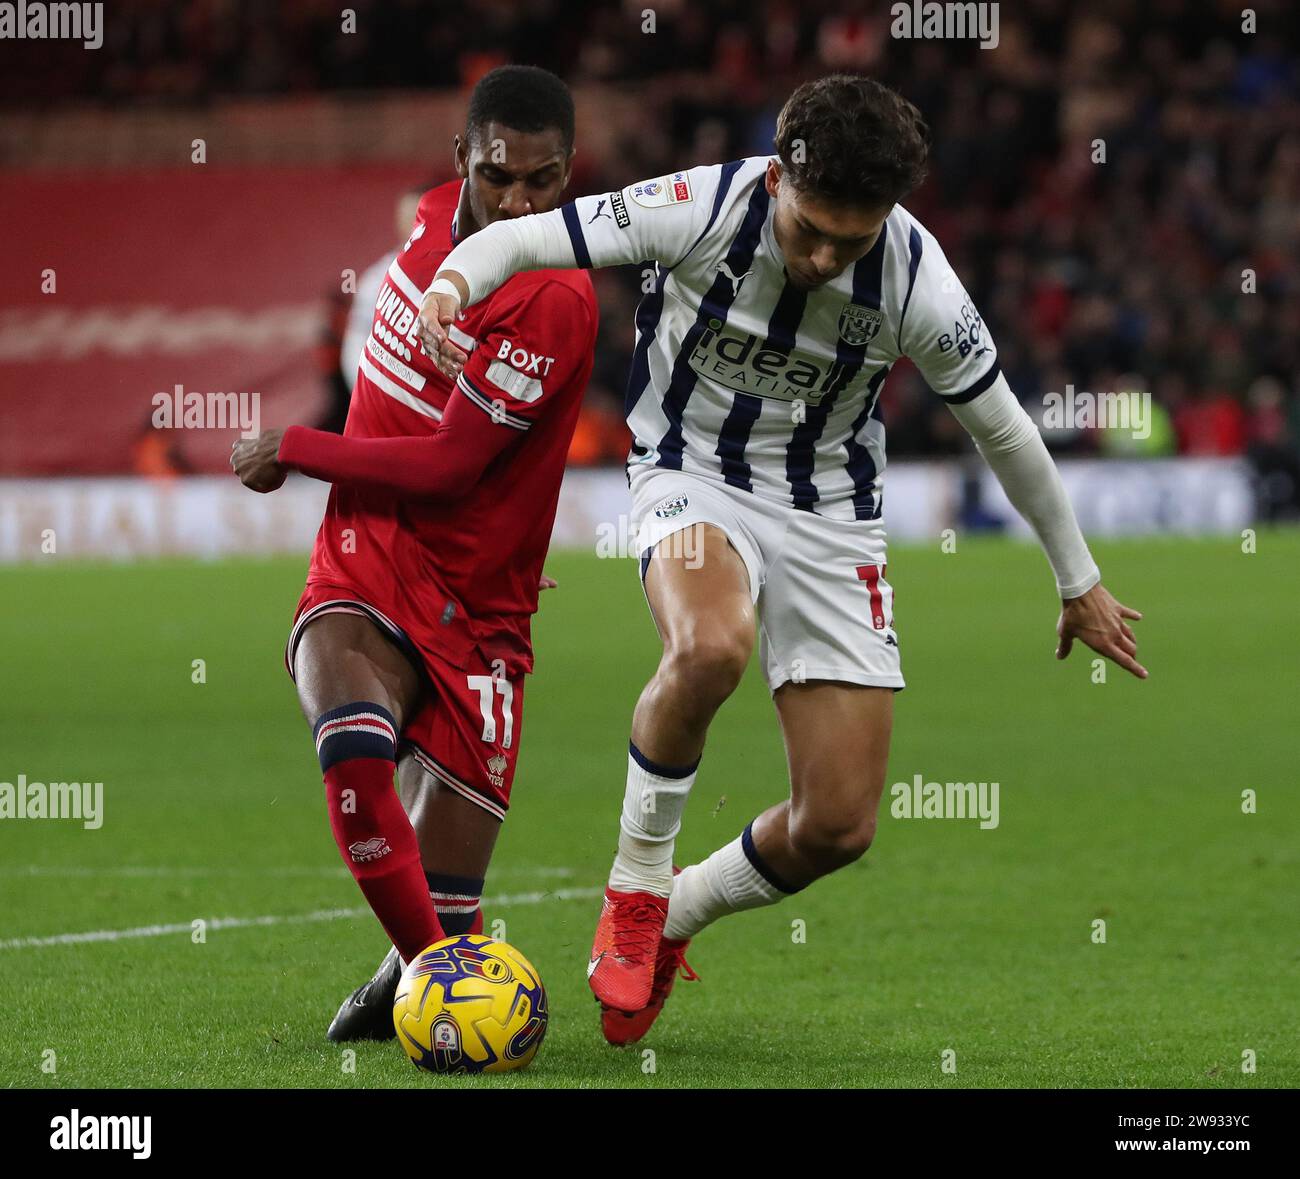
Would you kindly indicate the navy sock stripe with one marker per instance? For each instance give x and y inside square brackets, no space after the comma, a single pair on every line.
[360,730]
[454,924]
[653,767]
[459,885]
[348,709]
[760,865]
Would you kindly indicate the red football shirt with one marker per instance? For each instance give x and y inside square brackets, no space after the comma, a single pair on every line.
[463,574]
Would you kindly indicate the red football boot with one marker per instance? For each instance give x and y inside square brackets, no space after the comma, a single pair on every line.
[627,1027]
[623,956]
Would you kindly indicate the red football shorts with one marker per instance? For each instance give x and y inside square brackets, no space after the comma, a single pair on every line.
[467,728]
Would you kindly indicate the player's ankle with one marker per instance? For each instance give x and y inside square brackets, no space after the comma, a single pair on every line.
[648,868]
[644,862]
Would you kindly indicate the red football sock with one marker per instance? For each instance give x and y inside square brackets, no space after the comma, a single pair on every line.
[357,748]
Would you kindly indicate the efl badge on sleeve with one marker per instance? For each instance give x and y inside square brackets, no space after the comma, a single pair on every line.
[665,190]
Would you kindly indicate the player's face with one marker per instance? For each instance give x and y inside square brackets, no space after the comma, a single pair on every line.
[819,239]
[512,173]
[408,205]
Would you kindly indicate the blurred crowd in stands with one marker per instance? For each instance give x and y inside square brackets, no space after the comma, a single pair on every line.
[1118,183]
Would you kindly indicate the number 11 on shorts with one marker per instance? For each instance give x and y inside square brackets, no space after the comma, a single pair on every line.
[488,687]
[871,575]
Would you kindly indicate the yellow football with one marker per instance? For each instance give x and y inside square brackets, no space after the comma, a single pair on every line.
[470,1004]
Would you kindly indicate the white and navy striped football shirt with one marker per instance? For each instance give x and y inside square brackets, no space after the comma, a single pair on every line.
[740,376]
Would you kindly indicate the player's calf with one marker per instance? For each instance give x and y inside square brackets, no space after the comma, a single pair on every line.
[733,879]
[704,658]
[783,851]
[357,744]
[668,731]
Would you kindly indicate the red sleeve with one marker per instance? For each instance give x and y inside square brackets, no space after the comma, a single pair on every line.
[538,343]
[442,465]
[510,381]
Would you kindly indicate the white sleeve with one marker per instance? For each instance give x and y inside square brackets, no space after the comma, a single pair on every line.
[1011,445]
[943,332]
[657,220]
[486,259]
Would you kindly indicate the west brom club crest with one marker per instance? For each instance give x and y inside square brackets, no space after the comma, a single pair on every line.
[858,324]
[674,505]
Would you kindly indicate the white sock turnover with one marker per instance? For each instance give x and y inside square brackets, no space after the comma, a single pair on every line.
[652,815]
[734,878]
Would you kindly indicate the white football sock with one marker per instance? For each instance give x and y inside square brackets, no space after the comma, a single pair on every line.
[729,881]
[652,816]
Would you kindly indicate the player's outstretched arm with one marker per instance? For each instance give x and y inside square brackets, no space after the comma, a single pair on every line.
[1014,450]
[492,406]
[606,229]
[948,340]
[443,465]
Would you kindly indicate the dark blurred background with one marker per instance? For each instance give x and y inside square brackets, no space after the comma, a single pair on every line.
[1169,268]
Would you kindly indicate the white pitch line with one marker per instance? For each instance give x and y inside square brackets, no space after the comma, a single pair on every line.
[218,923]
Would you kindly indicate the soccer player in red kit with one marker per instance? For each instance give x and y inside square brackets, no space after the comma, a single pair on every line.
[412,634]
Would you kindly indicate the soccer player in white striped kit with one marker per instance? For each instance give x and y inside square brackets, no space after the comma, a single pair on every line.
[784,290]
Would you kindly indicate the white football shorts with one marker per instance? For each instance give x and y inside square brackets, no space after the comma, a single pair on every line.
[825,610]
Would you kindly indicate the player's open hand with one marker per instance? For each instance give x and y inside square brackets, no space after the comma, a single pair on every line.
[1101,622]
[255,461]
[437,313]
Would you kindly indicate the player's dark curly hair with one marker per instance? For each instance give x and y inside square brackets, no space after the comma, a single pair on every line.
[523,98]
[850,139]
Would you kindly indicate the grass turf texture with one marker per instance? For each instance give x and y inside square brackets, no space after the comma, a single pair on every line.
[1119,801]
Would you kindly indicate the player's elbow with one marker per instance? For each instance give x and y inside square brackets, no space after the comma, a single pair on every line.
[1011,435]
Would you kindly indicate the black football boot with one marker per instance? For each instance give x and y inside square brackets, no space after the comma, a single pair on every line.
[368,1013]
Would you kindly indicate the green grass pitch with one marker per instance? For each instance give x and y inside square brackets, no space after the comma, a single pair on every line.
[1120,801]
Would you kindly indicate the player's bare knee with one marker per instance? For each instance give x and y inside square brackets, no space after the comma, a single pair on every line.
[831,841]
[707,665]
[343,658]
